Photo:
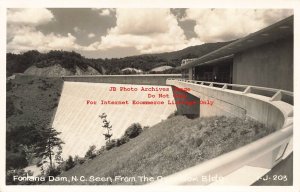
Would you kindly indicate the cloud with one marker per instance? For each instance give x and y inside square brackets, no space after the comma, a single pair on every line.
[76,29]
[36,40]
[105,12]
[143,21]
[91,35]
[147,30]
[142,30]
[214,25]
[29,16]
[22,33]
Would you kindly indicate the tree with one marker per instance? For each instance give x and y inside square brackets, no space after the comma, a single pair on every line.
[48,144]
[91,152]
[106,125]
[70,163]
[58,159]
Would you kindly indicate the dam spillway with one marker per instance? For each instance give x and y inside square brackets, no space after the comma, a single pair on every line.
[79,122]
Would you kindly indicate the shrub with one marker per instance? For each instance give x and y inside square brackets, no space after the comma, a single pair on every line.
[90,154]
[133,130]
[124,139]
[53,171]
[110,144]
[118,143]
[16,160]
[76,159]
[81,160]
[101,150]
[70,163]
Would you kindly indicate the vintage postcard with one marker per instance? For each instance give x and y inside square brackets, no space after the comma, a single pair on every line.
[160,96]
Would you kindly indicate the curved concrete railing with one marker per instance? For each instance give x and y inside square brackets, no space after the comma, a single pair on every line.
[270,106]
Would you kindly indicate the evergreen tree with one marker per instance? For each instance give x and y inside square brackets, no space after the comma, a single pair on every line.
[106,125]
[48,144]
[70,163]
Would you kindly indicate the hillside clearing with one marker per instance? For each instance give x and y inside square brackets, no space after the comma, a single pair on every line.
[32,100]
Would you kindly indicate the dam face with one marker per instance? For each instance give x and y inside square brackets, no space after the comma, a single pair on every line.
[77,115]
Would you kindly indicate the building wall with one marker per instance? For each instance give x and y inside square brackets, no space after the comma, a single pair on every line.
[269,65]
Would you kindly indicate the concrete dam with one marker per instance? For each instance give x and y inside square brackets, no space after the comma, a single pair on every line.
[77,117]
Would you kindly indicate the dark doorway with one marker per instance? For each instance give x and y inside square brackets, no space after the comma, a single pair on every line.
[217,72]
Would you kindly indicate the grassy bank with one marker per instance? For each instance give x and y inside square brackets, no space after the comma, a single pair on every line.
[168,147]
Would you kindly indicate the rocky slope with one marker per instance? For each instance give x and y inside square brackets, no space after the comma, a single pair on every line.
[57,71]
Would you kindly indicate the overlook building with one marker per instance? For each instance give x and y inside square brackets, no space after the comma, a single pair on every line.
[263,58]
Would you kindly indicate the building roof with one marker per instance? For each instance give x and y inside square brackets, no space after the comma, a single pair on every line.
[279,30]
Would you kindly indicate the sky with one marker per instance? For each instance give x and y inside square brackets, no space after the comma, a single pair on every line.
[116,33]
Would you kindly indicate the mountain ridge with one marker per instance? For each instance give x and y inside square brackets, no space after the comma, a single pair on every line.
[75,64]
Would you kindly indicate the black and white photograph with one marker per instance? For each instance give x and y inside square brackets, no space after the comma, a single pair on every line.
[151,96]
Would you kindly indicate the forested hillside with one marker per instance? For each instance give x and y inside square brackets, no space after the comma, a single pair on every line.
[76,64]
